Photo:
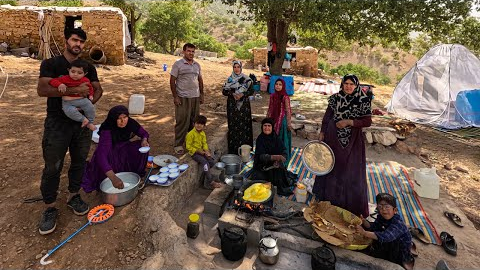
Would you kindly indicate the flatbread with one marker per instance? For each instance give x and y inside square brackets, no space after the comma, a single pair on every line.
[318,157]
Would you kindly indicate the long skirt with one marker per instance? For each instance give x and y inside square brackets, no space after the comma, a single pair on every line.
[239,125]
[286,136]
[124,157]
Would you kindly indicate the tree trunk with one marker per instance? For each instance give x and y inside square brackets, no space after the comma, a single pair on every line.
[280,31]
[132,23]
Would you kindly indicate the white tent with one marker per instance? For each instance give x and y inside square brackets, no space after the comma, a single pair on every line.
[440,90]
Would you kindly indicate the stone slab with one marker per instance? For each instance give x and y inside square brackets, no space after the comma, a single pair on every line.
[213,204]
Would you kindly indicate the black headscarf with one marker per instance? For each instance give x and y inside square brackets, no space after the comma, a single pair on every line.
[353,106]
[269,144]
[119,134]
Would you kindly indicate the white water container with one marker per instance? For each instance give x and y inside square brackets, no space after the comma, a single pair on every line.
[136,104]
[427,183]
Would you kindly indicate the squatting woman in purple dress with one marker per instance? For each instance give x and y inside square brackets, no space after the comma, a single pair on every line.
[115,152]
[347,113]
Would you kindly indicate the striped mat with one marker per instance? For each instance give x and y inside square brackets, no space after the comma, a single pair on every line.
[382,177]
[326,89]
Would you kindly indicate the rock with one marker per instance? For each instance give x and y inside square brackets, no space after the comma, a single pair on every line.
[385,138]
[140,50]
[143,257]
[128,259]
[369,137]
[461,169]
[402,147]
[476,178]
[302,133]
[296,126]
[448,166]
[379,148]
[38,257]
[311,128]
[312,135]
[155,262]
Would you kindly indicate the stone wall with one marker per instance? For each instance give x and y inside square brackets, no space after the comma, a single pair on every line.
[104,29]
[305,60]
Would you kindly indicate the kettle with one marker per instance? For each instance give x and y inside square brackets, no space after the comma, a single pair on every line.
[268,250]
[233,243]
[323,258]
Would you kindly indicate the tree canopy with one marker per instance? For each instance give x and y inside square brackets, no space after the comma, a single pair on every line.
[363,21]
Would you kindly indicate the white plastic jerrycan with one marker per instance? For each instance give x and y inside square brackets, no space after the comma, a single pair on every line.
[427,183]
[244,152]
[136,104]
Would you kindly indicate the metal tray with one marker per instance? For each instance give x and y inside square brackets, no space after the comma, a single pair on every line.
[308,167]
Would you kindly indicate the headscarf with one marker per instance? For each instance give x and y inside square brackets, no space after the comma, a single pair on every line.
[119,134]
[276,106]
[353,106]
[268,144]
[236,82]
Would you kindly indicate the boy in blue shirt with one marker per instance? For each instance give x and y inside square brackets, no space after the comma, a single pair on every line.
[391,238]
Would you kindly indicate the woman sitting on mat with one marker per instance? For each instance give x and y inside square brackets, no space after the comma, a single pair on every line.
[115,152]
[270,154]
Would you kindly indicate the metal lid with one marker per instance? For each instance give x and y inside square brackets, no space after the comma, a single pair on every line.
[269,242]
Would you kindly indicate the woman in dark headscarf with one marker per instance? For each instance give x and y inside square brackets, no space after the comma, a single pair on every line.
[347,113]
[115,152]
[239,115]
[270,155]
[281,113]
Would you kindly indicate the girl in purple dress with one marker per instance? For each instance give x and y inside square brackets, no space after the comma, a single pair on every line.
[115,152]
[347,113]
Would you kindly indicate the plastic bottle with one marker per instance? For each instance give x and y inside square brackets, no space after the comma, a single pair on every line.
[301,193]
[165,67]
[193,228]
[150,162]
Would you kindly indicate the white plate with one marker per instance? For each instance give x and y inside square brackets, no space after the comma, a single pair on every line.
[162,180]
[183,167]
[164,160]
[172,166]
[95,136]
[144,149]
[173,175]
[164,169]
[153,178]
[175,170]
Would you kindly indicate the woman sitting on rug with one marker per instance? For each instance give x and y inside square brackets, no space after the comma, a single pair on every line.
[239,114]
[270,155]
[115,152]
[347,113]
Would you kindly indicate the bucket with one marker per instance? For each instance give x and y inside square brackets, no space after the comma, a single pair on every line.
[427,183]
[136,104]
[97,55]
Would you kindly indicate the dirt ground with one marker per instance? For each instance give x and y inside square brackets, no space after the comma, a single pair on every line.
[117,243]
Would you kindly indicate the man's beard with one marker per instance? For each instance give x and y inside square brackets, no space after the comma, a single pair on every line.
[70,50]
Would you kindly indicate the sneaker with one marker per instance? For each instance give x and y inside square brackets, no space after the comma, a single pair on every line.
[48,223]
[79,207]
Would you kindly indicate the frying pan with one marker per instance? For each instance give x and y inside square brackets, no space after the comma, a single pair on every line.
[251,182]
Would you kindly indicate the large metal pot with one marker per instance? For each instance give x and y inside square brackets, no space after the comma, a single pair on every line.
[233,164]
[126,195]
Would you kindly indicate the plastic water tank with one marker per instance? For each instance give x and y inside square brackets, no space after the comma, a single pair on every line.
[136,104]
[427,183]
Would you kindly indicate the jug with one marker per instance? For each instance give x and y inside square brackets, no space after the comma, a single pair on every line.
[233,243]
[426,183]
[268,250]
[244,152]
[323,258]
[193,228]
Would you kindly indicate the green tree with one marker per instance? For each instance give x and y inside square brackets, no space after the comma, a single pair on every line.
[208,43]
[68,3]
[8,2]
[467,35]
[365,21]
[130,10]
[168,24]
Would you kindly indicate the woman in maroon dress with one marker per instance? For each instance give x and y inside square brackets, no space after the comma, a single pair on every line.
[115,152]
[347,113]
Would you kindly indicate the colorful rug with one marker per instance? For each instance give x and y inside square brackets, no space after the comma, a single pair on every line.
[382,177]
[326,89]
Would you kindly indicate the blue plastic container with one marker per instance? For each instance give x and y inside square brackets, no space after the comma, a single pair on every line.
[289,84]
[165,67]
[468,107]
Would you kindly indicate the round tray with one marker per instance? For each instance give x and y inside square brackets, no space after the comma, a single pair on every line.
[309,166]
[164,160]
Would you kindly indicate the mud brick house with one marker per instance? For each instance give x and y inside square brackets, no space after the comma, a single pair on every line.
[304,60]
[34,27]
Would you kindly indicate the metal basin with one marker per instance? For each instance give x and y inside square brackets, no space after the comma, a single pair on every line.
[123,196]
[233,163]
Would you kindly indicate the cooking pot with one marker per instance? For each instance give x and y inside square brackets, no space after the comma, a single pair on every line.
[268,250]
[119,197]
[233,164]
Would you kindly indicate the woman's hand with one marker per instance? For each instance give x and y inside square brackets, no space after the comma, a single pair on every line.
[321,137]
[344,123]
[278,158]
[290,128]
[145,142]
[116,182]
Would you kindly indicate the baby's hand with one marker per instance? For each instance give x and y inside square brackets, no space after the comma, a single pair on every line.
[62,88]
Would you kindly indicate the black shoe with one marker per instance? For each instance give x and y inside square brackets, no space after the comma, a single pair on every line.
[48,223]
[79,207]
[448,243]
